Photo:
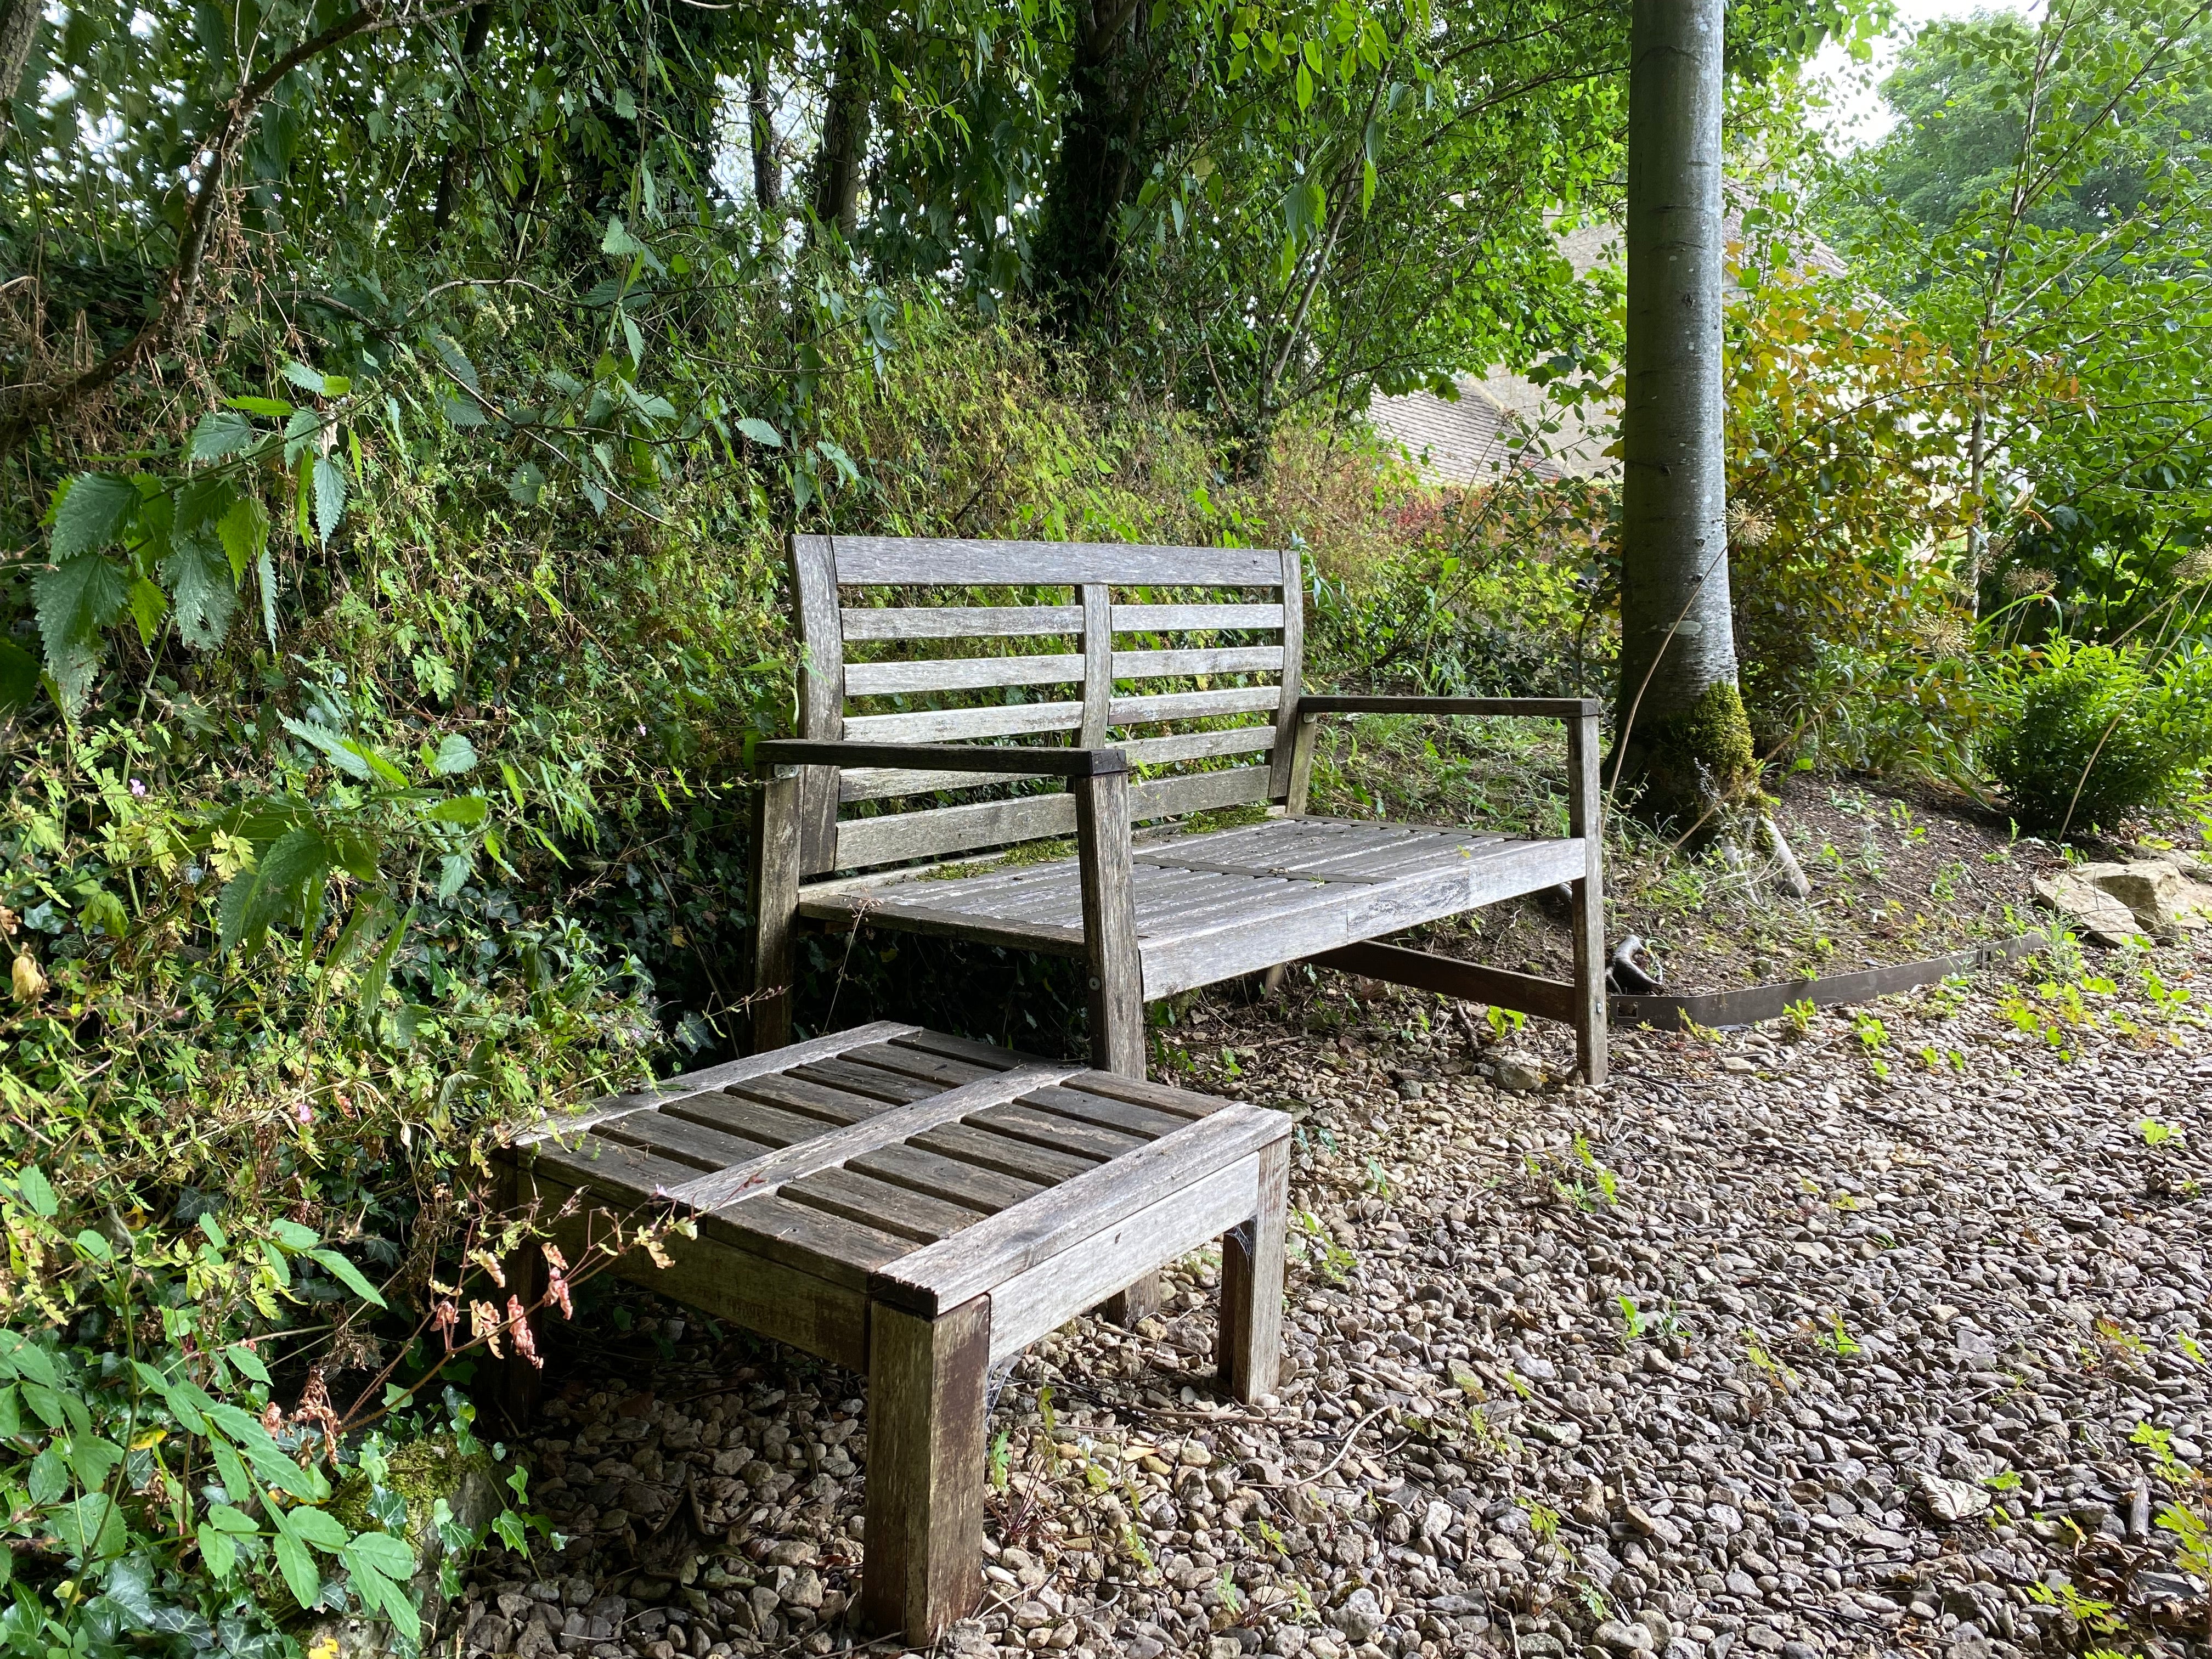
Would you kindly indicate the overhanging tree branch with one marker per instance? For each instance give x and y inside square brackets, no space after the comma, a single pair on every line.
[27,406]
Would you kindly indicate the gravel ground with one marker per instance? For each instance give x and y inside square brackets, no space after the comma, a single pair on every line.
[1865,1338]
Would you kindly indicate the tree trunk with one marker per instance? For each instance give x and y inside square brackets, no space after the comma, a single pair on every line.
[1079,244]
[1682,736]
[844,138]
[460,159]
[19,32]
[768,173]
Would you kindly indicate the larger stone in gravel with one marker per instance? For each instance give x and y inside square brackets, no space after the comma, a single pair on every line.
[1359,1616]
[2115,902]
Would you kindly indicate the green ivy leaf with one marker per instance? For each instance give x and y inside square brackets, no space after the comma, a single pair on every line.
[90,513]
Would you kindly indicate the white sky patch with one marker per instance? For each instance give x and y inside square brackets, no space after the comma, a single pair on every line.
[1857,115]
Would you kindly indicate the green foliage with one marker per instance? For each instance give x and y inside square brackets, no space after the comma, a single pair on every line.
[2092,734]
[2043,216]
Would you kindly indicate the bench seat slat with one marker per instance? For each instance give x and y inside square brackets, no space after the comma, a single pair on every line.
[871,1080]
[714,1077]
[835,1107]
[944,1070]
[993,1251]
[1185,1104]
[970,1185]
[972,1143]
[612,1170]
[1121,1115]
[768,1127]
[1063,1134]
[799,1236]
[681,1140]
[880,1205]
[989,1056]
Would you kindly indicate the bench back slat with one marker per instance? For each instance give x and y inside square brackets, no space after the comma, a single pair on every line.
[916,562]
[1181,618]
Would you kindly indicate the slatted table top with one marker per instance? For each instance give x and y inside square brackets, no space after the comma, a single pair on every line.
[900,1161]
[1314,882]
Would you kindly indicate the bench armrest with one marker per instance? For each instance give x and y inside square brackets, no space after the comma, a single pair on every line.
[938,757]
[1557,708]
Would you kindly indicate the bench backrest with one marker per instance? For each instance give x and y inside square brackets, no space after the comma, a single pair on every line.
[1186,658]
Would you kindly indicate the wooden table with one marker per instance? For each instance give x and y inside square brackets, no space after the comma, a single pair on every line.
[920,1208]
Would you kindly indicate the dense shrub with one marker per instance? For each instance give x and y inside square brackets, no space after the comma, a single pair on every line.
[2090,734]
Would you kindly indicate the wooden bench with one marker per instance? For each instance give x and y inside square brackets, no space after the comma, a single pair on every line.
[920,1208]
[880,718]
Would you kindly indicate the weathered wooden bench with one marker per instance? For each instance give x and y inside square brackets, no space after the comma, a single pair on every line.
[877,721]
[920,1208]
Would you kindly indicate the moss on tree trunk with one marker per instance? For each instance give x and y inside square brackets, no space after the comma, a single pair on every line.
[1691,763]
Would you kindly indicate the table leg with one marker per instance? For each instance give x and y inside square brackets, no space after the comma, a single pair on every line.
[1251,1345]
[519,1382]
[1140,1300]
[922,1569]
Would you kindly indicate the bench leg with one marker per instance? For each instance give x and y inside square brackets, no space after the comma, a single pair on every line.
[1139,1301]
[923,1567]
[1111,957]
[775,909]
[1251,1343]
[520,1382]
[1586,819]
